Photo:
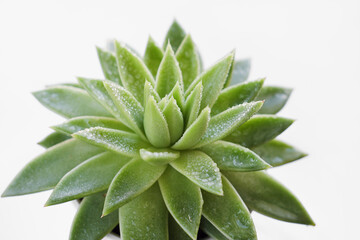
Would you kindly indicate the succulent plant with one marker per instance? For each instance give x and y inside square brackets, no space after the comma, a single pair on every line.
[163,148]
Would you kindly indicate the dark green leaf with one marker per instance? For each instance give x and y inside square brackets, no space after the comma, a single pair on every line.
[241,71]
[175,231]
[153,56]
[53,139]
[174,119]
[211,230]
[175,36]
[275,99]
[109,65]
[158,156]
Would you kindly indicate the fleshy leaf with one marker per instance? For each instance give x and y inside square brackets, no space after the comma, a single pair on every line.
[277,153]
[175,36]
[174,119]
[211,230]
[228,213]
[156,127]
[200,169]
[259,129]
[175,231]
[75,85]
[156,156]
[132,180]
[241,71]
[193,134]
[124,143]
[183,200]
[150,91]
[109,65]
[235,95]
[229,76]
[233,157]
[53,139]
[145,217]
[153,56]
[267,196]
[80,181]
[178,94]
[192,105]
[226,122]
[70,102]
[46,170]
[275,99]
[88,223]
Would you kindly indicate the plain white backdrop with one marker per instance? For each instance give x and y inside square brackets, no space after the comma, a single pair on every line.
[312,46]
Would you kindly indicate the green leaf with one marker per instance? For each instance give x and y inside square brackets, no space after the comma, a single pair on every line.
[178,94]
[233,157]
[175,231]
[80,181]
[125,143]
[169,73]
[235,95]
[109,65]
[53,139]
[193,134]
[70,102]
[88,224]
[145,217]
[153,56]
[229,76]
[192,105]
[150,91]
[75,85]
[156,127]
[175,36]
[259,129]
[275,99]
[277,153]
[211,230]
[228,213]
[133,71]
[156,156]
[132,180]
[46,170]
[267,196]
[183,200]
[241,71]
[226,122]
[189,61]
[200,169]
[174,119]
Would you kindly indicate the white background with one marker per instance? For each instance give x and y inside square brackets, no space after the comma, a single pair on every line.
[312,46]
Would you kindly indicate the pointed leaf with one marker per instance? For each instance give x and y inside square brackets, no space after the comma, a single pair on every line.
[75,85]
[163,102]
[145,217]
[53,139]
[178,94]
[156,156]
[267,196]
[174,119]
[153,56]
[183,200]
[88,223]
[109,65]
[211,230]
[275,99]
[192,105]
[175,36]
[175,231]
[200,169]
[132,180]
[70,102]
[229,76]
[150,91]
[241,71]
[46,170]
[80,181]
[259,129]
[228,213]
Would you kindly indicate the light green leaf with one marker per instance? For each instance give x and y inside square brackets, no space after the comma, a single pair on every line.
[183,200]
[211,230]
[259,129]
[193,134]
[277,153]
[75,85]
[267,196]
[192,105]
[153,56]
[46,170]
[175,36]
[121,142]
[150,91]
[109,65]
[88,223]
[178,94]
[158,156]
[145,217]
[53,139]
[200,169]
[174,119]
[175,231]
[132,180]
[70,102]
[80,181]
[275,99]
[229,76]
[241,71]
[163,102]
[228,213]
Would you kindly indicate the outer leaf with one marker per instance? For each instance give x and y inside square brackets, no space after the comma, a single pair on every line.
[53,139]
[229,76]
[275,99]
[132,180]
[125,143]
[211,230]
[175,231]
[75,85]
[183,200]
[133,71]
[233,157]
[192,106]
[228,213]
[46,170]
[109,65]
[88,224]
[277,153]
[156,156]
[150,91]
[145,217]
[241,71]
[200,169]
[80,181]
[259,130]
[189,61]
[265,195]
[174,119]
[226,122]
[153,56]
[70,102]
[235,95]
[175,36]
[193,134]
